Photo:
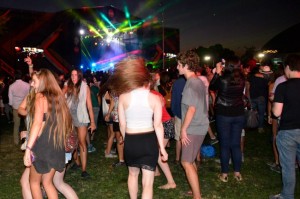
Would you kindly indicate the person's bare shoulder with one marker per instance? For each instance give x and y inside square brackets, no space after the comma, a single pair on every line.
[154,99]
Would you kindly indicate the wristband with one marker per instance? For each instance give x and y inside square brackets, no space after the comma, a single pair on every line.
[27,147]
[30,66]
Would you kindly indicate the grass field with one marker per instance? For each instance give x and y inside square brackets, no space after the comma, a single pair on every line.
[107,182]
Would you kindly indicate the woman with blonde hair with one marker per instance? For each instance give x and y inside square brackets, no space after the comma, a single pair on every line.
[45,151]
[140,123]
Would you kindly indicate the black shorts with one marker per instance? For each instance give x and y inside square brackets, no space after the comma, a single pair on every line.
[116,127]
[141,150]
[169,129]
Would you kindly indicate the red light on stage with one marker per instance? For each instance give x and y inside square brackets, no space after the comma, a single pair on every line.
[17,49]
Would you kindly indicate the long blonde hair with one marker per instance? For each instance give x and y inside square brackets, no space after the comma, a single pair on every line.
[61,123]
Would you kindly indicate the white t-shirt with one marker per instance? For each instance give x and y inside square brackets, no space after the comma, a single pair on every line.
[278,81]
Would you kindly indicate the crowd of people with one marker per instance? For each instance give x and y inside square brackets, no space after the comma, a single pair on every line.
[143,111]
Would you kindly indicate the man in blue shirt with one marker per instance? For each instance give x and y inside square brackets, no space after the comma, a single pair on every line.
[176,96]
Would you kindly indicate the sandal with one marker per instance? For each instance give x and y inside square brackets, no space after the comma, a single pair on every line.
[222,178]
[189,193]
[238,178]
[168,186]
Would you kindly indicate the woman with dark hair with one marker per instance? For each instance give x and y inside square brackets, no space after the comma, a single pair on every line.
[229,110]
[79,101]
[140,115]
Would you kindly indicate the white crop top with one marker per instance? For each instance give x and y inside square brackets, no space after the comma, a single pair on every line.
[139,114]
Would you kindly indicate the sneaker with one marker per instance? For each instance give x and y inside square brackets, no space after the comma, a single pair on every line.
[75,167]
[277,196]
[85,174]
[276,168]
[110,156]
[113,151]
[91,148]
[118,164]
[271,164]
[213,141]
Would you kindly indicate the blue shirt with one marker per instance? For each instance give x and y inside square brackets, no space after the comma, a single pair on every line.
[176,97]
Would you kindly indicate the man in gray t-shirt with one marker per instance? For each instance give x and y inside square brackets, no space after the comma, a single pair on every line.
[194,118]
[194,95]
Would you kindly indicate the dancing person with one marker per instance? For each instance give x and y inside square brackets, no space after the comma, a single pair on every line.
[7,108]
[199,73]
[96,101]
[286,106]
[257,89]
[169,133]
[17,91]
[58,178]
[176,96]
[229,114]
[279,77]
[194,118]
[113,114]
[108,101]
[140,123]
[80,105]
[45,151]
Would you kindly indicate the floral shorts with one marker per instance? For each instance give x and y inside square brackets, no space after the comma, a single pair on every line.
[169,129]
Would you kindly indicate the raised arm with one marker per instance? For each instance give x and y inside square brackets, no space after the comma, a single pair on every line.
[28,61]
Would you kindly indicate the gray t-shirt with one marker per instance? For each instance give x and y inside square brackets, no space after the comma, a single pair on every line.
[194,94]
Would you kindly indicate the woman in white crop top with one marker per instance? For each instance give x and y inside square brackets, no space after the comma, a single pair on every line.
[140,123]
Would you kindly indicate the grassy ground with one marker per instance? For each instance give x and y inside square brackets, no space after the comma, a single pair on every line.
[108,182]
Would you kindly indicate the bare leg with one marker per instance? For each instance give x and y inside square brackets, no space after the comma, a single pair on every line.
[210,133]
[147,181]
[133,178]
[35,183]
[166,170]
[192,177]
[82,131]
[198,158]
[109,143]
[63,187]
[47,180]
[109,130]
[120,146]
[26,192]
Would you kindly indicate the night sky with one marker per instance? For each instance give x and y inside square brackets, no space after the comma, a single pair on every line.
[235,24]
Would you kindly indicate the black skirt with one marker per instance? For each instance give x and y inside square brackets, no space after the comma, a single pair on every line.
[141,150]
